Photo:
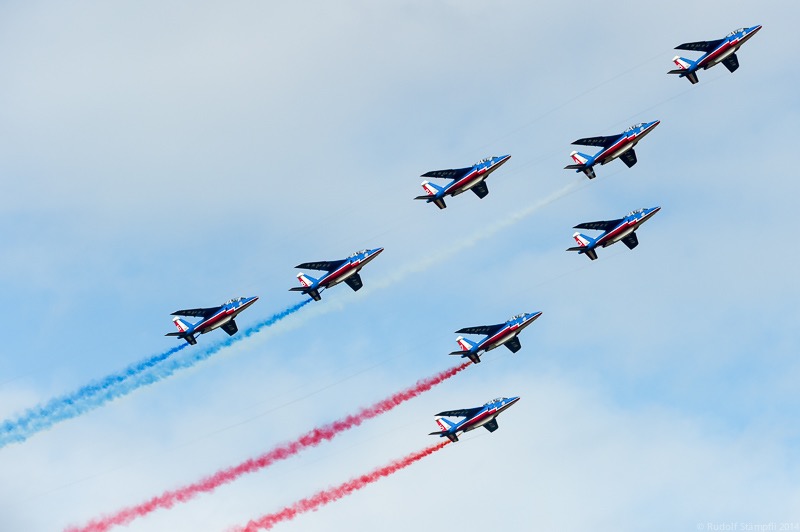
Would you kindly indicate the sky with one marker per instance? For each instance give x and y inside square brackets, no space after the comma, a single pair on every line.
[166,155]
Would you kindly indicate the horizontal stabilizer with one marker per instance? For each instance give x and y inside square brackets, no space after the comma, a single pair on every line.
[439,202]
[188,337]
[466,354]
[452,437]
[691,76]
[311,292]
[574,167]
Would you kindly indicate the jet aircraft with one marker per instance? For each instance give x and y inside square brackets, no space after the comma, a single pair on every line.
[613,146]
[717,51]
[481,416]
[337,271]
[613,231]
[463,179]
[212,317]
[496,335]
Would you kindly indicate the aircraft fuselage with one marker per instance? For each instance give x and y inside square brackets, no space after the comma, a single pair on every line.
[477,175]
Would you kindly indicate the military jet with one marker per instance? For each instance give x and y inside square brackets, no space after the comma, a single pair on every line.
[481,416]
[717,51]
[338,270]
[213,317]
[496,335]
[613,146]
[613,231]
[463,179]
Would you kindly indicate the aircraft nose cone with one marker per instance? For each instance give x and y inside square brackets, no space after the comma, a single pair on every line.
[653,124]
[754,29]
[655,210]
[512,400]
[376,251]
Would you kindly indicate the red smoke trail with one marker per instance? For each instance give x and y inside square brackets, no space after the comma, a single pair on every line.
[310,439]
[334,494]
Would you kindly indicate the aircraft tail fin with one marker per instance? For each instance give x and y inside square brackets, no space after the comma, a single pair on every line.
[431,188]
[465,344]
[444,423]
[306,280]
[684,65]
[307,283]
[582,240]
[581,160]
[584,243]
[181,324]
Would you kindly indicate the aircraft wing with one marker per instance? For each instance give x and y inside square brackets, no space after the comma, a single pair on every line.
[481,189]
[513,345]
[631,241]
[731,62]
[629,158]
[603,225]
[488,330]
[492,425]
[354,282]
[602,142]
[454,173]
[326,265]
[700,46]
[230,328]
[197,312]
[464,412]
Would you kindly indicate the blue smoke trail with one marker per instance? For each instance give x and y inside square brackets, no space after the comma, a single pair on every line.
[135,376]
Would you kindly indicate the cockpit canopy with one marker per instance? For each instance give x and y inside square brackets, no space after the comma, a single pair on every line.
[634,127]
[734,32]
[637,211]
[517,316]
[357,253]
[234,300]
[484,160]
[498,400]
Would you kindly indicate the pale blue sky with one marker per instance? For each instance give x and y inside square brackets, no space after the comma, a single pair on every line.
[159,155]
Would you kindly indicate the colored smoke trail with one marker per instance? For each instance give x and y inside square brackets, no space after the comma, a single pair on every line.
[29,422]
[485,232]
[95,395]
[310,439]
[330,495]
